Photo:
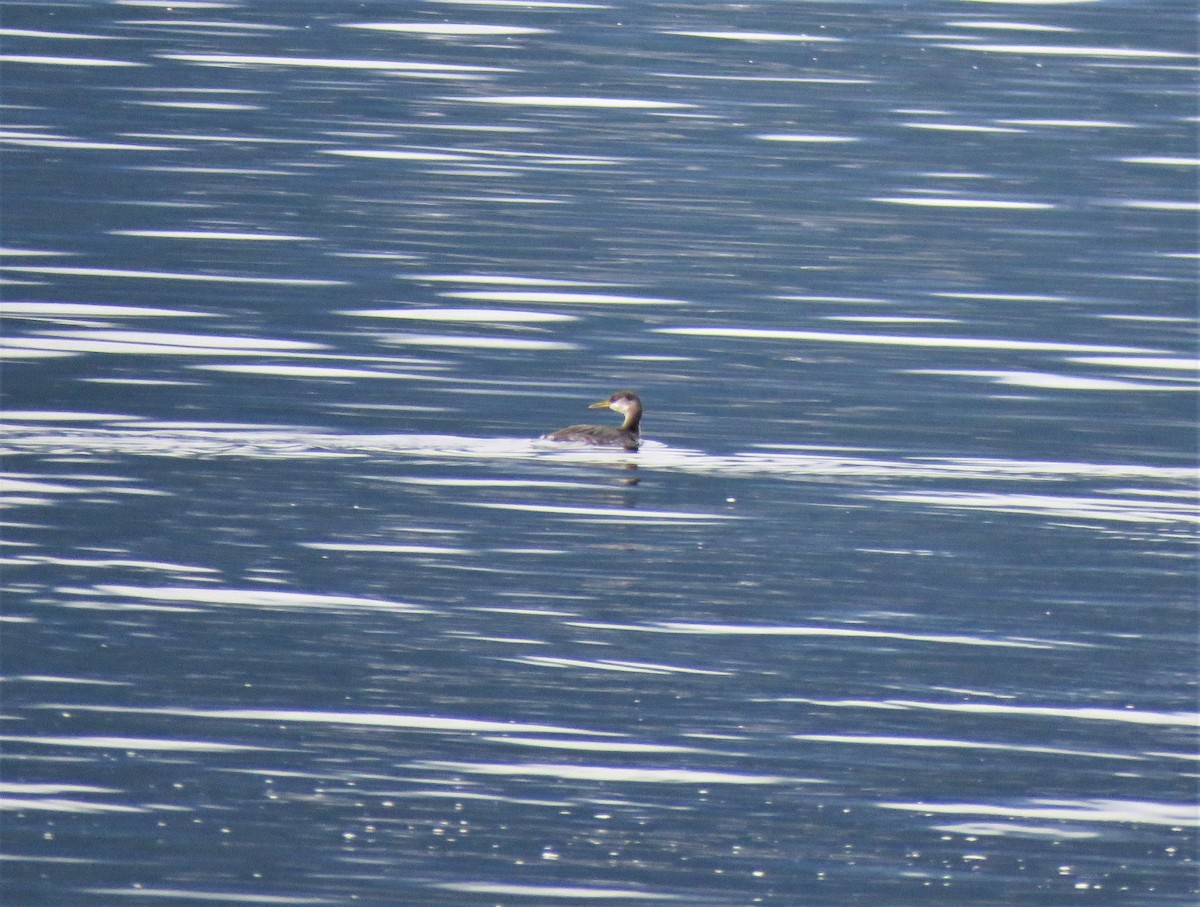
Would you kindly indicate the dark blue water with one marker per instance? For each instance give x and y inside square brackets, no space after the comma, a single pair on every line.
[895,605]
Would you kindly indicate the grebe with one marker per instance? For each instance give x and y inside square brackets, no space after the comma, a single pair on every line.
[625,402]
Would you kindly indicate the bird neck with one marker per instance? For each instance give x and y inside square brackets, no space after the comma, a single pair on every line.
[632,418]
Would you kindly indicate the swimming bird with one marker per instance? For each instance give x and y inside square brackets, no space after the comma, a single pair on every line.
[628,404]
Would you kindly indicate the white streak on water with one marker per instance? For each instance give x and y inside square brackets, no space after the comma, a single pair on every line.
[624,513]
[254,598]
[187,340]
[212,234]
[1050,50]
[978,343]
[755,36]
[1031,2]
[1006,26]
[74,271]
[9,486]
[194,895]
[59,805]
[610,664]
[37,415]
[1162,160]
[328,63]
[63,61]
[1087,508]
[218,171]
[446,28]
[1073,713]
[31,141]
[805,138]
[459,794]
[502,279]
[490,483]
[385,549]
[942,743]
[177,4]
[1186,207]
[481,158]
[458,126]
[319,372]
[480,343]
[1084,713]
[601,773]
[180,345]
[354,719]
[507,200]
[45,678]
[530,158]
[31,253]
[28,353]
[50,35]
[136,744]
[231,139]
[961,127]
[534,296]
[87,309]
[1003,829]
[594,746]
[257,442]
[19,489]
[106,563]
[1152,362]
[35,797]
[768,79]
[199,105]
[200,23]
[24,346]
[1140,812]
[390,154]
[155,343]
[1071,124]
[858,300]
[954,202]
[693,629]
[580,102]
[890,319]
[15,787]
[476,316]
[1051,381]
[1003,297]
[1151,319]
[570,892]
[526,4]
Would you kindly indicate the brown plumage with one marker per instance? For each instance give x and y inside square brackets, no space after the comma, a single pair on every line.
[625,402]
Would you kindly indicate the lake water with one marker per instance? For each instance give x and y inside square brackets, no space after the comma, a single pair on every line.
[895,606]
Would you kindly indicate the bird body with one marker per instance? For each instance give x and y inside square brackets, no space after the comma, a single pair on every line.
[627,404]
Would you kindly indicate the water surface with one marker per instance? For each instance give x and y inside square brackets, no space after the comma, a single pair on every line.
[896,604]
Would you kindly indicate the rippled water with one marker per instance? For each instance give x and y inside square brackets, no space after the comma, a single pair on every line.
[895,605]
